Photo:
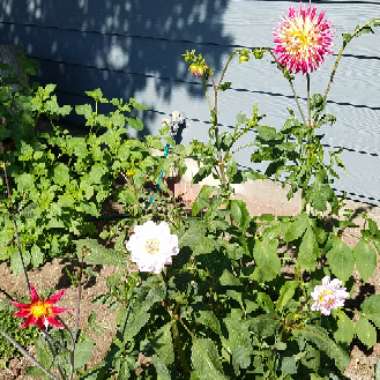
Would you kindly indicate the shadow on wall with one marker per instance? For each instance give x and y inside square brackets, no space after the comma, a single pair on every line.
[126,47]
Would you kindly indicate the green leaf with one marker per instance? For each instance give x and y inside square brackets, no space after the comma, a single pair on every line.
[365,259]
[161,369]
[37,256]
[61,174]
[195,238]
[135,123]
[202,200]
[289,365]
[165,344]
[308,251]
[206,361]
[287,292]
[83,352]
[341,260]
[240,214]
[25,182]
[266,133]
[346,329]
[208,318]
[268,264]
[321,339]
[371,309]
[137,314]
[228,279]
[297,228]
[265,325]
[366,332]
[238,342]
[96,254]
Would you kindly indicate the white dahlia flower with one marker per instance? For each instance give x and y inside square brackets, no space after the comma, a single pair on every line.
[328,296]
[152,246]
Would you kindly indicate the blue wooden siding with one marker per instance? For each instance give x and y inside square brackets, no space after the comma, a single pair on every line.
[134,47]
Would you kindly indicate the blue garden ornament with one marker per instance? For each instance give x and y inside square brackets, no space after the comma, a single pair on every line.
[176,122]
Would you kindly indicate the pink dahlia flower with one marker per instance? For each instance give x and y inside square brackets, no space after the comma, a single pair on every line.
[302,39]
[328,296]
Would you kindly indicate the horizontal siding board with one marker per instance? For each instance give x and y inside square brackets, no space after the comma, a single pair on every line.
[243,22]
[357,81]
[357,128]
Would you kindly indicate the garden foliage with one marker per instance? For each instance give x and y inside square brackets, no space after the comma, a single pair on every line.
[233,296]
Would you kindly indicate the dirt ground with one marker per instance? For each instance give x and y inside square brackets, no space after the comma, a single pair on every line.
[362,363]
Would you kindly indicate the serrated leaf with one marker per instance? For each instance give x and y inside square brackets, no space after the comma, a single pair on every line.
[161,369]
[268,264]
[37,256]
[164,345]
[366,332]
[238,342]
[137,314]
[297,228]
[308,251]
[266,133]
[319,337]
[346,329]
[289,365]
[287,292]
[135,123]
[371,309]
[240,214]
[202,201]
[365,259]
[228,279]
[206,361]
[195,238]
[96,254]
[264,325]
[209,319]
[341,260]
[83,352]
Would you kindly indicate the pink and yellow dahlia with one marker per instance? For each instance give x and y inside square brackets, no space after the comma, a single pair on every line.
[302,39]
[330,295]
[40,312]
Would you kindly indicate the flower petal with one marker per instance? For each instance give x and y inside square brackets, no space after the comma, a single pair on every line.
[56,297]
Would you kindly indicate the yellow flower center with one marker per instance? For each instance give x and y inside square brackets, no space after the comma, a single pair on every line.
[152,246]
[300,37]
[325,293]
[40,309]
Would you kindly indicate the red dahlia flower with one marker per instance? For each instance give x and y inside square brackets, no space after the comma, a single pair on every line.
[302,39]
[39,312]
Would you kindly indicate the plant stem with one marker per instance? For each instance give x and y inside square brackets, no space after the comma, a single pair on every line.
[297,100]
[308,99]
[28,356]
[53,352]
[356,33]
[18,242]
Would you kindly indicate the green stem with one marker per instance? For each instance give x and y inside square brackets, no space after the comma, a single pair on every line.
[296,98]
[53,352]
[308,99]
[28,356]
[356,33]
[17,236]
